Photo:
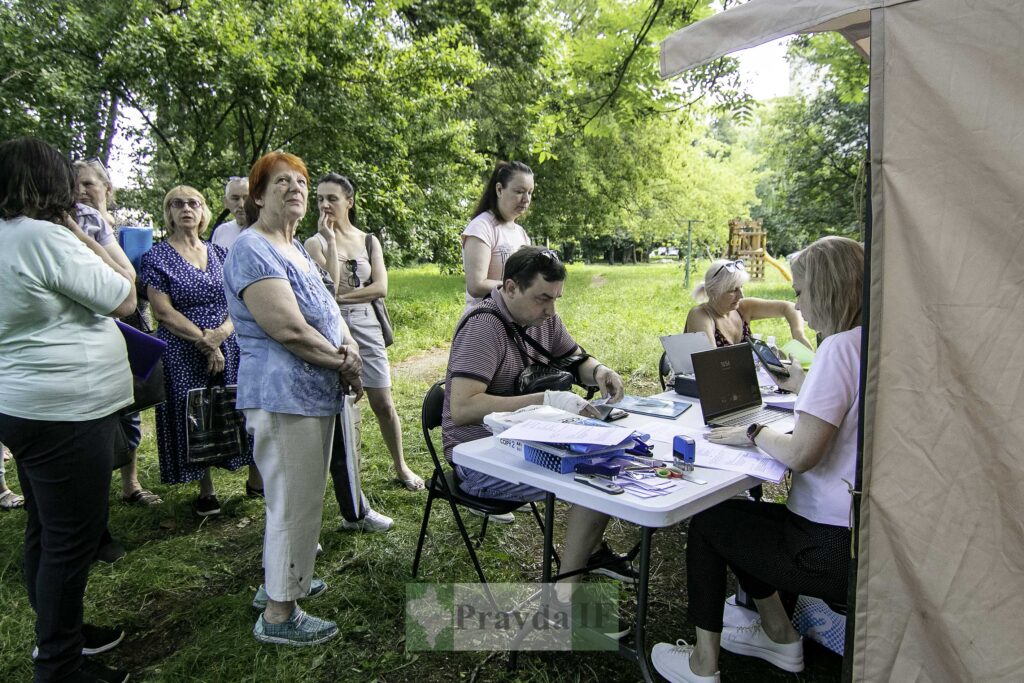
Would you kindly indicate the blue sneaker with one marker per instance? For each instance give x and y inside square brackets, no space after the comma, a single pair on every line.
[299,630]
[316,587]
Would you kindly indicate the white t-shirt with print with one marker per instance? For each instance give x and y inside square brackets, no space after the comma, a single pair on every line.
[831,392]
[503,239]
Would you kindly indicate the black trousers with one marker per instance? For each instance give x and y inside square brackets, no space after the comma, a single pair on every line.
[345,478]
[769,549]
[64,472]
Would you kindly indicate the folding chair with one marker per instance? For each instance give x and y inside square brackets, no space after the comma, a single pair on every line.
[444,485]
[664,371]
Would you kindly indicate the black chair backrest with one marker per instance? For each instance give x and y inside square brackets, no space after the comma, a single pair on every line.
[664,369]
[430,417]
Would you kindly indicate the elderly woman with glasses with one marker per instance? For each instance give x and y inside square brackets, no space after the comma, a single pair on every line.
[184,278]
[725,315]
[355,262]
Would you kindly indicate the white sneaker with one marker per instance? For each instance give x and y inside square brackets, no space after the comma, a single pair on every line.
[673,662]
[507,518]
[372,522]
[753,641]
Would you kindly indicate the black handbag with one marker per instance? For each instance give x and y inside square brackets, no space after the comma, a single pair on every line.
[215,429]
[379,309]
[558,374]
[149,392]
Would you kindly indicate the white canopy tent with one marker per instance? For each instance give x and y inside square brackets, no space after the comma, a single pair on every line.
[940,567]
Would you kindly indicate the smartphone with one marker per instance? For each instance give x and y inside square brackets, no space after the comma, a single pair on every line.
[770,361]
[610,413]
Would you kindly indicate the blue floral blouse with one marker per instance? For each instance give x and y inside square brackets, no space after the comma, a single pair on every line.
[269,375]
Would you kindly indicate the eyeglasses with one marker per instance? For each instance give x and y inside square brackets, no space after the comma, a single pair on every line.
[550,254]
[193,204]
[353,280]
[731,266]
[232,178]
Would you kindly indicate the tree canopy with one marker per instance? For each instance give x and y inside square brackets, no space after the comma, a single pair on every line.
[414,100]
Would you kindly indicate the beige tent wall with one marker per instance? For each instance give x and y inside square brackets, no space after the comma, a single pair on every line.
[940,594]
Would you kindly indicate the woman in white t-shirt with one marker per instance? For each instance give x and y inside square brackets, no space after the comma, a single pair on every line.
[493,235]
[802,546]
[65,375]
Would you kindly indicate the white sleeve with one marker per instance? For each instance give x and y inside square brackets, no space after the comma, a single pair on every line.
[832,385]
[82,276]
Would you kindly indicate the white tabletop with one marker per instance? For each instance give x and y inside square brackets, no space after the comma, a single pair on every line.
[684,501]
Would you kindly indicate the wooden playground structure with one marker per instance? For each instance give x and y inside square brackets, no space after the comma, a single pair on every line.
[747,241]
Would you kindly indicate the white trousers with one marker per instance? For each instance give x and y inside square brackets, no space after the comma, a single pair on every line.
[293,454]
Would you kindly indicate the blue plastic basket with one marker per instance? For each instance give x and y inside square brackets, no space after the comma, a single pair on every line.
[561,464]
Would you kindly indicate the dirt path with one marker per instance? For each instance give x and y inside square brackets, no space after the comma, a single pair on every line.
[426,365]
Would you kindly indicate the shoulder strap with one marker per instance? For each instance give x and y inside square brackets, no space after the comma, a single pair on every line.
[369,257]
[504,323]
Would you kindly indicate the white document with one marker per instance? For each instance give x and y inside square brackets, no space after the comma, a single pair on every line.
[787,401]
[560,432]
[678,348]
[754,462]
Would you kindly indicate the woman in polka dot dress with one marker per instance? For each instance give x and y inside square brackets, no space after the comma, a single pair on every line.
[185,283]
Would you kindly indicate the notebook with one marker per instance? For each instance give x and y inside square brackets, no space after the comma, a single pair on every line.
[729,391]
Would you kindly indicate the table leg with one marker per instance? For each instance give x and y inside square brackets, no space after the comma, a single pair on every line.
[548,557]
[641,604]
[549,536]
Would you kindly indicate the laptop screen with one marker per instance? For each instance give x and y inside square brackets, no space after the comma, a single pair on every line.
[726,380]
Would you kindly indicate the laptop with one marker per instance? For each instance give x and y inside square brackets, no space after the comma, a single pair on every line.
[729,392]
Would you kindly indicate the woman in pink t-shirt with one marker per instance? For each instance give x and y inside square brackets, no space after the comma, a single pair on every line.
[801,547]
[493,235]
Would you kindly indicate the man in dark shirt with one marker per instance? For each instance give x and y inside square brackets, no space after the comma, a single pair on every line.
[482,369]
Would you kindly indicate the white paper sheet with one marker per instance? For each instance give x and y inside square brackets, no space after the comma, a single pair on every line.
[560,432]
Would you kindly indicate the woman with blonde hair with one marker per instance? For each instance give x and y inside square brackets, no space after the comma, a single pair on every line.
[184,278]
[725,315]
[779,551]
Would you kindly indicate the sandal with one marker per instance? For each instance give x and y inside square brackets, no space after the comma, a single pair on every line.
[414,484]
[9,500]
[142,498]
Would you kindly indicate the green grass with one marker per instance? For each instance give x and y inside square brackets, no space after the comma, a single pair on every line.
[183,591]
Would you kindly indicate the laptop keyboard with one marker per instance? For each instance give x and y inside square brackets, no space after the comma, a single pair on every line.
[762,415]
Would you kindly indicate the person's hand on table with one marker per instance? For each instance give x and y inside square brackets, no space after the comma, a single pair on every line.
[570,402]
[729,436]
[610,384]
[795,379]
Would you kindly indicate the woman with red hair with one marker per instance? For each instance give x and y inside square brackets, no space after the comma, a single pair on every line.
[298,362]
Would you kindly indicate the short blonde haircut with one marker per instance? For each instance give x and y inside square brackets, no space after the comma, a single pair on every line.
[718,280]
[185,192]
[831,275]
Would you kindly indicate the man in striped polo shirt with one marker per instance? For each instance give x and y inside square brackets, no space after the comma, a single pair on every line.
[483,365]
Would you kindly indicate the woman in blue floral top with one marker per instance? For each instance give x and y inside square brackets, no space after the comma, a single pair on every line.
[297,364]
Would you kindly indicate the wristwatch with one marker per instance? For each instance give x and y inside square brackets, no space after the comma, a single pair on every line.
[753,430]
